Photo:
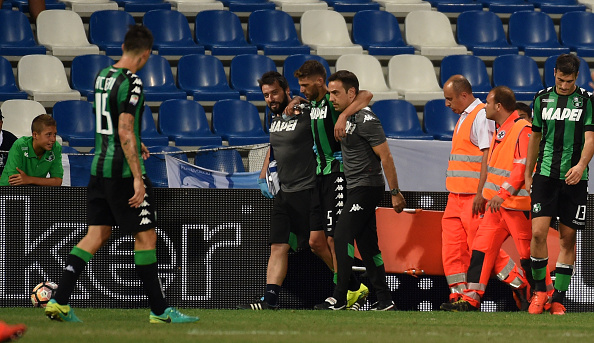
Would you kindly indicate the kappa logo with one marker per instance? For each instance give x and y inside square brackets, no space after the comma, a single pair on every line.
[70,268]
[145,221]
[339,204]
[338,180]
[339,212]
[536,208]
[356,208]
[368,117]
[339,196]
[137,82]
[339,188]
[144,204]
[144,212]
[136,90]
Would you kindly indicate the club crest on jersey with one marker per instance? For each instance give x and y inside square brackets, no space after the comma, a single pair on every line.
[577,101]
[133,99]
[500,134]
[50,157]
[536,208]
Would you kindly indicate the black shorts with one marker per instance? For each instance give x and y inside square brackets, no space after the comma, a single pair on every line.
[107,204]
[554,198]
[331,190]
[293,213]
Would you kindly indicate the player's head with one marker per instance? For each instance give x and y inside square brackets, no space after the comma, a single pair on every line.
[343,87]
[501,102]
[138,43]
[312,79]
[276,91]
[567,68]
[524,111]
[457,92]
[44,130]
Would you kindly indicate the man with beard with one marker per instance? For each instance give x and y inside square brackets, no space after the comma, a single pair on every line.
[296,202]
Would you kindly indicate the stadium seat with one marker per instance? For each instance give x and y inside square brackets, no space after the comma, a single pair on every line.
[439,120]
[85,7]
[238,122]
[558,6]
[248,5]
[185,123]
[143,6]
[44,78]
[221,32]
[16,36]
[63,33]
[507,6]
[171,32]
[18,115]
[244,74]
[80,166]
[110,40]
[379,33]
[534,33]
[327,33]
[156,167]
[353,6]
[300,6]
[157,80]
[473,69]
[8,88]
[458,6]
[577,32]
[191,7]
[274,32]
[76,122]
[414,77]
[293,63]
[518,72]
[369,72]
[203,77]
[84,70]
[431,33]
[223,160]
[482,33]
[148,130]
[23,5]
[583,79]
[399,119]
[404,6]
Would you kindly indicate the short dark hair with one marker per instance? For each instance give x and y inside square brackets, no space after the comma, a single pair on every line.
[505,96]
[349,80]
[42,121]
[311,68]
[523,107]
[568,64]
[138,39]
[270,77]
[460,84]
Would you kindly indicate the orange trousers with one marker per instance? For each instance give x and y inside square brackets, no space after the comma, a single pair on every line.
[459,228]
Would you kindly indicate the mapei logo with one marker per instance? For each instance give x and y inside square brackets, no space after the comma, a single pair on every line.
[281,125]
[319,112]
[350,127]
[561,114]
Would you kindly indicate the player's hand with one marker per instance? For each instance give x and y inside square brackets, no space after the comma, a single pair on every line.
[478,205]
[528,181]
[340,128]
[18,179]
[139,192]
[290,110]
[398,202]
[144,151]
[574,175]
[494,204]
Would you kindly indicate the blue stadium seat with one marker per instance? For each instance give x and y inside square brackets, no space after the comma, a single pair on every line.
[80,166]
[6,5]
[23,5]
[482,33]
[507,6]
[577,32]
[220,32]
[558,6]
[171,32]
[244,74]
[248,5]
[8,88]
[439,120]
[204,78]
[293,63]
[583,79]
[274,32]
[156,167]
[84,70]
[109,40]
[353,5]
[157,80]
[76,122]
[472,67]
[224,160]
[148,130]
[378,32]
[518,72]
[185,123]
[16,36]
[238,122]
[399,119]
[143,5]
[534,33]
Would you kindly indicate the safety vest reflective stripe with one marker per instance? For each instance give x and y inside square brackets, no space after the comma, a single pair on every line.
[493,186]
[456,278]
[464,165]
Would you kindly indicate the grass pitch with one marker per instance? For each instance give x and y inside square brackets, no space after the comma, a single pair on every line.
[114,325]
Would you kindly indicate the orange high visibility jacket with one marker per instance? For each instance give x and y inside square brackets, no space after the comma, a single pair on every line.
[464,166]
[501,164]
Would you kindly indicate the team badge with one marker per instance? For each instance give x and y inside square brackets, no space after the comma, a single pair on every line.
[500,134]
[577,101]
[50,157]
[536,208]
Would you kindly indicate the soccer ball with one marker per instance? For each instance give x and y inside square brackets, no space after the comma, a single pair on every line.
[42,293]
